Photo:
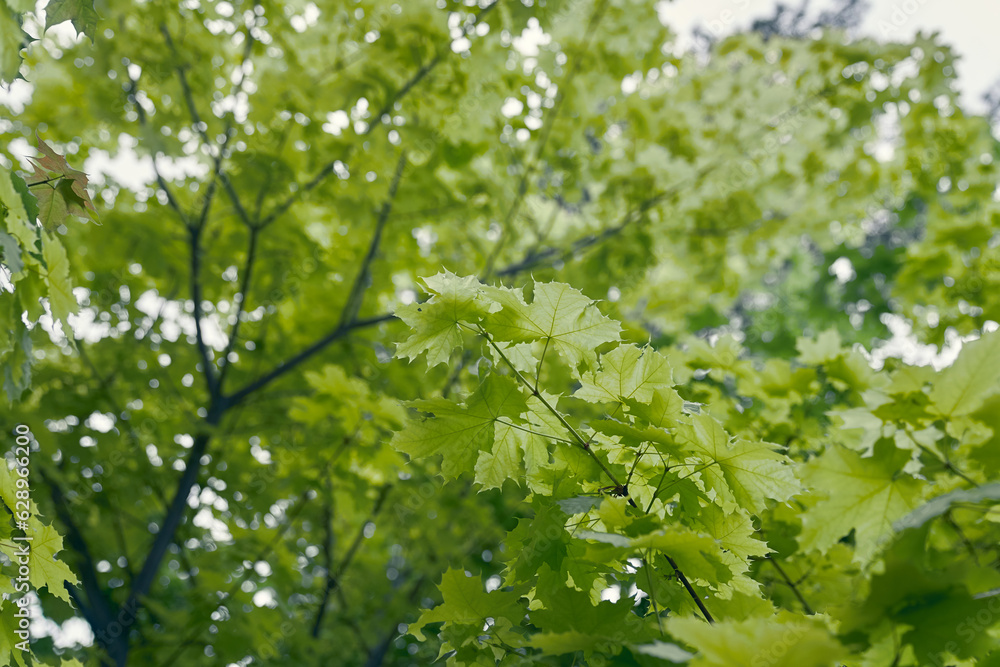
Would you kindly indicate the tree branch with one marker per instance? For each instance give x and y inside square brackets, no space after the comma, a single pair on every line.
[290,516]
[175,514]
[202,128]
[343,330]
[417,77]
[208,368]
[798,594]
[132,90]
[333,578]
[254,231]
[543,139]
[99,611]
[297,359]
[376,656]
[361,281]
[553,254]
[687,585]
[328,557]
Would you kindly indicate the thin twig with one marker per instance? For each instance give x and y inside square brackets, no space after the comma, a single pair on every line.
[687,585]
[208,369]
[405,89]
[585,445]
[795,589]
[297,359]
[543,139]
[240,299]
[333,578]
[356,296]
[238,581]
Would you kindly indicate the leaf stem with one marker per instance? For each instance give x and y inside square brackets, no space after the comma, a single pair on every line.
[538,370]
[547,436]
[580,441]
[585,445]
[798,594]
[47,180]
[690,589]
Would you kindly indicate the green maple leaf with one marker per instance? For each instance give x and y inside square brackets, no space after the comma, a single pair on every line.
[8,490]
[963,386]
[651,422]
[784,640]
[466,602]
[16,367]
[45,569]
[11,253]
[637,435]
[12,40]
[461,432]
[698,556]
[935,606]
[19,225]
[8,638]
[864,495]
[941,504]
[61,190]
[570,641]
[439,323]
[61,298]
[80,12]
[735,533]
[661,411]
[571,621]
[741,473]
[560,315]
[664,651]
[627,373]
[27,198]
[503,461]
[826,347]
[579,504]
[543,542]
[53,208]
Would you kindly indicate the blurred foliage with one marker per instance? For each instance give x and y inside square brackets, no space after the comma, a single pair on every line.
[213,375]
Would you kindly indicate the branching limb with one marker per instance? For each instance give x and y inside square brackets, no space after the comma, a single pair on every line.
[361,282]
[333,578]
[172,520]
[132,92]
[376,119]
[240,299]
[376,656]
[328,557]
[687,585]
[553,254]
[795,589]
[99,611]
[219,153]
[585,445]
[543,139]
[208,368]
[300,504]
[297,359]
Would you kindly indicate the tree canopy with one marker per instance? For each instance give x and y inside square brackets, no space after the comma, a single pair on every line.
[492,332]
